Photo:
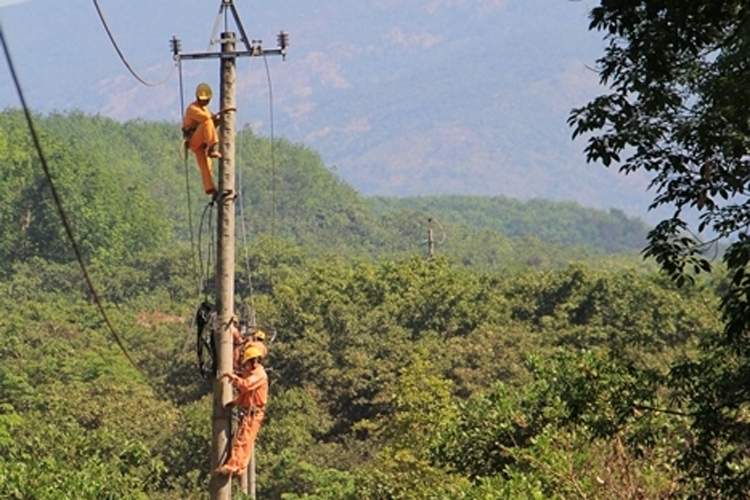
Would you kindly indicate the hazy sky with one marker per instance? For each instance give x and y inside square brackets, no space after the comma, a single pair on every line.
[3,3]
[402,97]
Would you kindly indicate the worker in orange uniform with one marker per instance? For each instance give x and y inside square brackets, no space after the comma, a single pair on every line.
[199,131]
[241,342]
[258,340]
[252,398]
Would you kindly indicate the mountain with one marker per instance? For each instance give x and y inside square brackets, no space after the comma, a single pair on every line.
[401,98]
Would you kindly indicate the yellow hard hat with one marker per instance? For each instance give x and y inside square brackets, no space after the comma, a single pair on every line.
[250,353]
[260,335]
[203,92]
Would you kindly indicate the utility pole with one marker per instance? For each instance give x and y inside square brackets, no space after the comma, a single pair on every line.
[221,431]
[221,485]
[430,240]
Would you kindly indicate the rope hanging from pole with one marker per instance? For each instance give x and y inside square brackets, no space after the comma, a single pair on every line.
[183,154]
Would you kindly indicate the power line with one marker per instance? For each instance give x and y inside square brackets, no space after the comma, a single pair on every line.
[58,202]
[244,234]
[184,154]
[122,56]
[273,174]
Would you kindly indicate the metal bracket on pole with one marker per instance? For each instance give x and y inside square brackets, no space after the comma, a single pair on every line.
[253,48]
[228,5]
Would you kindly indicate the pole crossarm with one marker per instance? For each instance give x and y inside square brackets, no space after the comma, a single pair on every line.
[255,52]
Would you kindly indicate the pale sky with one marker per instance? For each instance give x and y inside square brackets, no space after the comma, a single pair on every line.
[4,3]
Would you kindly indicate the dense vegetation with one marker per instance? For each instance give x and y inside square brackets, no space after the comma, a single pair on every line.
[133,172]
[676,86]
[472,375]
[560,223]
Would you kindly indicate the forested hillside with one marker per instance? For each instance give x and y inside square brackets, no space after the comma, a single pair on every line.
[128,180]
[496,370]
[560,223]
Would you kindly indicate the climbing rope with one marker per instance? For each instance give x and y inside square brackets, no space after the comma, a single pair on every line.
[205,319]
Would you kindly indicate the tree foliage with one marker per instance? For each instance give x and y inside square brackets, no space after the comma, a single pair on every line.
[470,375]
[677,74]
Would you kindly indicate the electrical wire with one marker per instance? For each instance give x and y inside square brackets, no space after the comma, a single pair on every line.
[184,156]
[273,218]
[272,262]
[244,236]
[122,56]
[58,203]
[205,269]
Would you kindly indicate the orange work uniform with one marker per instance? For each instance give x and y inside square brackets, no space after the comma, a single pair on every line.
[200,130]
[253,396]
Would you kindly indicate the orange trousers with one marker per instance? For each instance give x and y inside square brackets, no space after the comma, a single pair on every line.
[243,443]
[203,138]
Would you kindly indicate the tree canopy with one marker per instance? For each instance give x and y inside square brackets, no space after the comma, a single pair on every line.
[495,370]
[677,76]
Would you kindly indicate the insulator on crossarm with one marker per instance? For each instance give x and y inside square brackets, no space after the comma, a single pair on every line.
[283,41]
[176,46]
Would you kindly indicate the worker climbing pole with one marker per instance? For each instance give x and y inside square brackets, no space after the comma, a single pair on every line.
[199,133]
[253,396]
[201,143]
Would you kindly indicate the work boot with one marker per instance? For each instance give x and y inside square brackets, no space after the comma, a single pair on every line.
[224,470]
[213,151]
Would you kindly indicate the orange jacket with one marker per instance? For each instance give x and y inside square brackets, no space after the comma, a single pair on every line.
[253,387]
[195,114]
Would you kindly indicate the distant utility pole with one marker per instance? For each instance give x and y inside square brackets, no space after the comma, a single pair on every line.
[221,485]
[430,240]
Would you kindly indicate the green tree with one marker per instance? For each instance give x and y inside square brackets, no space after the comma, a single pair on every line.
[677,109]
[575,431]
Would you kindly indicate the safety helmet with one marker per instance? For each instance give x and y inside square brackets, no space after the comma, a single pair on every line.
[203,92]
[251,352]
[260,335]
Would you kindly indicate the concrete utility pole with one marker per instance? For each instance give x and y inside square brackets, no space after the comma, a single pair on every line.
[221,431]
[430,240]
[221,485]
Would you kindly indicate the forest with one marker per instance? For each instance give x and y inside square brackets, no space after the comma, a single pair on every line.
[538,355]
[548,351]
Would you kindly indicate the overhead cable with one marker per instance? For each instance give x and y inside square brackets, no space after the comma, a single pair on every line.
[273,173]
[58,203]
[122,56]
